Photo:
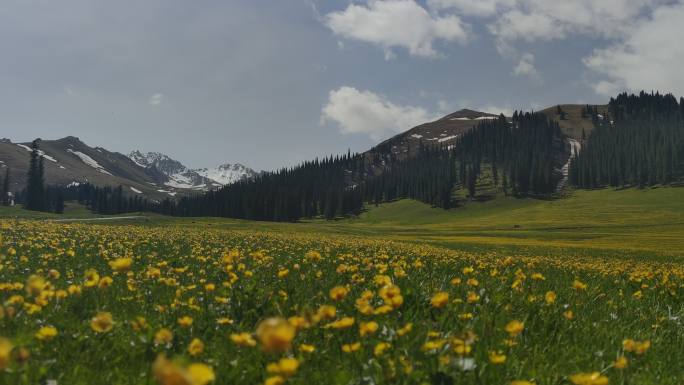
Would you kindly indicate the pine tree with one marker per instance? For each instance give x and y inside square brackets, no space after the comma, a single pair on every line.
[35,199]
[6,188]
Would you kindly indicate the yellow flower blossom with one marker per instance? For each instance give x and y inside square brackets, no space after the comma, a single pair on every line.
[286,367]
[102,322]
[121,264]
[196,347]
[350,348]
[243,339]
[169,373]
[515,327]
[497,358]
[366,328]
[5,353]
[594,378]
[342,323]
[380,348]
[163,336]
[338,293]
[275,334]
[46,333]
[440,299]
[185,321]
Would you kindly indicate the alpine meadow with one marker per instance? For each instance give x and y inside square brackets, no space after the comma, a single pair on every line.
[390,232]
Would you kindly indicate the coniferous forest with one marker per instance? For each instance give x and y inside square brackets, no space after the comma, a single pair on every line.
[523,149]
[523,154]
[640,143]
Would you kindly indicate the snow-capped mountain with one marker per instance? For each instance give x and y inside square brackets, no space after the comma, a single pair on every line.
[179,176]
[227,173]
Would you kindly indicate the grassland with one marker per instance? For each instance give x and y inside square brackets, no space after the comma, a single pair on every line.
[584,290]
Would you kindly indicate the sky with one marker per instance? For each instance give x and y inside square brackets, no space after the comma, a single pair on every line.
[271,83]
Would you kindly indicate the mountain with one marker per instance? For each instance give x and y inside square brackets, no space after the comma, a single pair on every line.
[179,176]
[227,173]
[443,131]
[573,121]
[69,161]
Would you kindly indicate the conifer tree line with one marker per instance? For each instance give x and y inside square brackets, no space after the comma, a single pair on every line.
[100,200]
[316,188]
[37,196]
[523,149]
[428,177]
[522,154]
[640,143]
[5,198]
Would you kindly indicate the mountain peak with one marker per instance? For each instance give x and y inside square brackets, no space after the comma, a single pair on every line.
[179,176]
[468,114]
[70,139]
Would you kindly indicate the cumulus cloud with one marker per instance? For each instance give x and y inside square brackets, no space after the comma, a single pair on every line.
[543,20]
[649,58]
[156,99]
[397,23]
[481,8]
[364,112]
[526,67]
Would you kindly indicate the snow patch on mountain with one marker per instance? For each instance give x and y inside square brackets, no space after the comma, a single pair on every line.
[89,161]
[40,152]
[440,140]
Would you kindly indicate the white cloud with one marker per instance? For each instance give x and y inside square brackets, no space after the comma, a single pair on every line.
[481,8]
[397,23]
[649,58]
[364,112]
[517,25]
[526,67]
[156,99]
[543,20]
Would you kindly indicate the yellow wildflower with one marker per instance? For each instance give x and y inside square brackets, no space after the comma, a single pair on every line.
[514,328]
[338,293]
[121,264]
[440,299]
[275,334]
[286,367]
[46,333]
[594,378]
[196,347]
[380,348]
[102,322]
[243,339]
[163,336]
[497,358]
[366,328]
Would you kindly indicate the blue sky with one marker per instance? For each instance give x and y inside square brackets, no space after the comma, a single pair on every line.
[272,83]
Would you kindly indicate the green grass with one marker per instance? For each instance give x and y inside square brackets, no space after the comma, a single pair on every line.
[639,220]
[625,245]
[63,275]
[630,222]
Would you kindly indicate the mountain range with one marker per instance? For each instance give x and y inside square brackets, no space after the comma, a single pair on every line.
[69,161]
[158,176]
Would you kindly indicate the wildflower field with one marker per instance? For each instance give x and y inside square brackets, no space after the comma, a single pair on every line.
[133,304]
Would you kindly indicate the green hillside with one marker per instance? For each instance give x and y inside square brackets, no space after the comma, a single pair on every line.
[629,220]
